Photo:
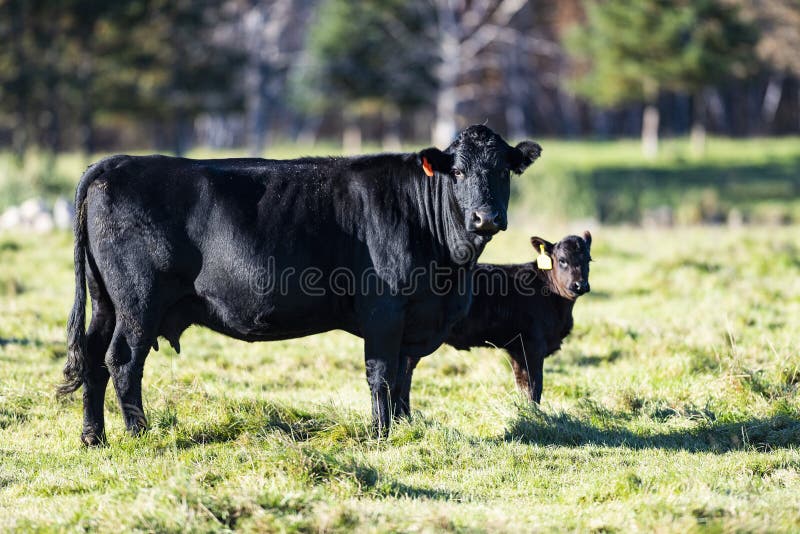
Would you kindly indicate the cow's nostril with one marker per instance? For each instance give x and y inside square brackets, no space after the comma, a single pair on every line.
[484,222]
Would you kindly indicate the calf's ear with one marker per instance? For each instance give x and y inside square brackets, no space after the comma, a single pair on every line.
[537,243]
[434,160]
[522,155]
[587,236]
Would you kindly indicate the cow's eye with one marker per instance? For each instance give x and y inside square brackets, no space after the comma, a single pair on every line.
[457,173]
[563,263]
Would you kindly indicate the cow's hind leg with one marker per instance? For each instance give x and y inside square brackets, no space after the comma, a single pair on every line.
[95,380]
[125,360]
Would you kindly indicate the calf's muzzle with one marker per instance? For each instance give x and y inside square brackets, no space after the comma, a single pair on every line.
[581,287]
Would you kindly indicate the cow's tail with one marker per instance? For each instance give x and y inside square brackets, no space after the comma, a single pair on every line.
[75,367]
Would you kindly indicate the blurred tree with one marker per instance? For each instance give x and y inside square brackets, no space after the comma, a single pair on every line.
[181,66]
[463,32]
[778,46]
[396,55]
[365,58]
[630,50]
[270,34]
[70,60]
[720,45]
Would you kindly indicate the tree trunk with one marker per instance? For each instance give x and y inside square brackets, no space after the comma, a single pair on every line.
[20,134]
[772,99]
[447,75]
[650,120]
[181,133]
[516,96]
[351,135]
[309,130]
[54,127]
[697,137]
[391,130]
[256,74]
[87,128]
[569,112]
[86,77]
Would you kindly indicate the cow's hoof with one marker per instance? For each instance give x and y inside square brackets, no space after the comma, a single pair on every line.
[136,424]
[137,429]
[92,439]
[380,432]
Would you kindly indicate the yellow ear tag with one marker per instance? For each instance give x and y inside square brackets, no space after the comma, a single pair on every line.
[543,261]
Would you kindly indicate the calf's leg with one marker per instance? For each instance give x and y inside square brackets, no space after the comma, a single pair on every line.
[527,365]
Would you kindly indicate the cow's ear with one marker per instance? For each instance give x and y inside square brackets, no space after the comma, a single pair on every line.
[538,242]
[587,237]
[434,160]
[523,155]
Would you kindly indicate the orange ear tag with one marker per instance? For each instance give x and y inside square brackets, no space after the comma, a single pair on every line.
[426,166]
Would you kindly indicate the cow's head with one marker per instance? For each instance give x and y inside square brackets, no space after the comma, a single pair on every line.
[479,163]
[570,258]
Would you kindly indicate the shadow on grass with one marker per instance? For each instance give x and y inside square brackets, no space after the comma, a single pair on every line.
[591,360]
[622,194]
[262,417]
[57,349]
[396,489]
[315,454]
[12,415]
[765,434]
[23,342]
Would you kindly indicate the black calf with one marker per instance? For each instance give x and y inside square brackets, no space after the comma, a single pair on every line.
[523,309]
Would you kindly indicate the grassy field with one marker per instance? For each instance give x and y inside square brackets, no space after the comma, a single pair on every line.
[609,181]
[673,407]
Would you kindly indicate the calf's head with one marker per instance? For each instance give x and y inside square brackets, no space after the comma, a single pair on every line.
[479,163]
[570,257]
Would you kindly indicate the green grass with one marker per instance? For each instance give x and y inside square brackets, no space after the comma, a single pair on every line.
[673,407]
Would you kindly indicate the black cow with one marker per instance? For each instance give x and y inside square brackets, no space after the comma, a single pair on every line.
[263,250]
[523,309]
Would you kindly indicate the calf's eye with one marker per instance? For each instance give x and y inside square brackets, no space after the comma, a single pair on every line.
[562,263]
[457,173]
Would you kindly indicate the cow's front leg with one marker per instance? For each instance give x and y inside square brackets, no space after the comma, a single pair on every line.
[382,342]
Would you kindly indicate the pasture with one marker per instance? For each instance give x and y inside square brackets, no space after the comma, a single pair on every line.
[673,406]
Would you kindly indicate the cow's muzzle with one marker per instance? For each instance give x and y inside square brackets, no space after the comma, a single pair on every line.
[486,222]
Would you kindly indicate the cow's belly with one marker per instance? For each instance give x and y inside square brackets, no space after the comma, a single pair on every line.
[429,322]
[270,319]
